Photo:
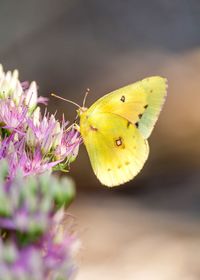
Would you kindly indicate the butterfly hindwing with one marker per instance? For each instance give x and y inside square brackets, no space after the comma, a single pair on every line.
[140,103]
[116,148]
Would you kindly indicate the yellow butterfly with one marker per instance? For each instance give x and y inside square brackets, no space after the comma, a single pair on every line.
[116,127]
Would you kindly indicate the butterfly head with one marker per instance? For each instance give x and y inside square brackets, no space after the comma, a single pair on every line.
[81,111]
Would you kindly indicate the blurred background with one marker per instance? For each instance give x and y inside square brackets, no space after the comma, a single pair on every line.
[150,227]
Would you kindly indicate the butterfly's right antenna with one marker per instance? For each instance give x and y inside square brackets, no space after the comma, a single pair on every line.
[57,96]
[85,97]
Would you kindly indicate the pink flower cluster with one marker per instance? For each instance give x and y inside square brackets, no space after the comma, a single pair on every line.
[34,244]
[29,140]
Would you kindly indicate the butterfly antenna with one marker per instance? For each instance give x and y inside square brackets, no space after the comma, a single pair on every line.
[59,97]
[85,97]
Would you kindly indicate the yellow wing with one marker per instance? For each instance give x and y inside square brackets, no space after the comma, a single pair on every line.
[116,148]
[140,103]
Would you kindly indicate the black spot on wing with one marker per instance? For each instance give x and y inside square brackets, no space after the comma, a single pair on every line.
[93,128]
[146,106]
[128,124]
[137,124]
[122,98]
[118,141]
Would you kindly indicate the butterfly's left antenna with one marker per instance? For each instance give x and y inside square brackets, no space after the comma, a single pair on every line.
[85,97]
[57,96]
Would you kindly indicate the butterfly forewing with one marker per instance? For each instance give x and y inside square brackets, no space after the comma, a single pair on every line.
[140,103]
[156,90]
